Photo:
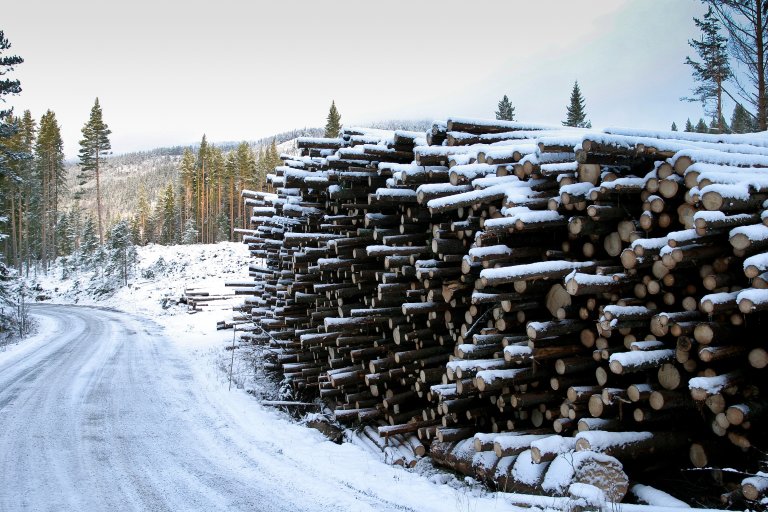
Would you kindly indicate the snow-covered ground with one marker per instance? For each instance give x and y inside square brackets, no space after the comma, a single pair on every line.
[361,480]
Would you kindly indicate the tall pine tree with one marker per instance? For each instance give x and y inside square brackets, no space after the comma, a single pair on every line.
[94,147]
[49,159]
[711,72]
[333,122]
[505,112]
[576,114]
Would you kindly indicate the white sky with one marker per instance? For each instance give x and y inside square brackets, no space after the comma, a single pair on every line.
[168,71]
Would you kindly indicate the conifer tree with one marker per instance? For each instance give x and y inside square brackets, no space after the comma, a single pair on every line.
[187,177]
[94,147]
[688,125]
[169,228]
[713,69]
[577,115]
[49,158]
[7,64]
[333,122]
[143,211]
[746,22]
[742,121]
[190,234]
[505,112]
[122,253]
[701,126]
[674,127]
[89,242]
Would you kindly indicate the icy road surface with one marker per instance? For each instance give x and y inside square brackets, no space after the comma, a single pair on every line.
[102,412]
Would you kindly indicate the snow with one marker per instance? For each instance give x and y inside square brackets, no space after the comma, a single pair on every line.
[516,272]
[754,232]
[756,139]
[637,357]
[599,440]
[760,261]
[756,296]
[253,447]
[713,156]
[710,385]
[526,471]
[651,496]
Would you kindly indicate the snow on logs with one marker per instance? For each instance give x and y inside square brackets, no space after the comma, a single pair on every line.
[523,299]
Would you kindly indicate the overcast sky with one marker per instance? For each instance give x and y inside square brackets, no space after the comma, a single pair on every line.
[165,72]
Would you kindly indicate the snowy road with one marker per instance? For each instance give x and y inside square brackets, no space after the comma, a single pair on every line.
[105,413]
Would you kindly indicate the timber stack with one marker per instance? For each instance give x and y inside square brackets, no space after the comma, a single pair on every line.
[534,306]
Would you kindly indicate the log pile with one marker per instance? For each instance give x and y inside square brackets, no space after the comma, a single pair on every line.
[521,297]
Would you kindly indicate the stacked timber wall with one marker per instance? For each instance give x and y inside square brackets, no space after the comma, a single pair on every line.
[538,306]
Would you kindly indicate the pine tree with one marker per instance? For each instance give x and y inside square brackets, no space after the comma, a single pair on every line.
[143,211]
[7,64]
[674,127]
[333,123]
[688,125]
[506,111]
[121,252]
[576,115]
[89,243]
[169,227]
[94,147]
[746,22]
[712,72]
[742,121]
[187,177]
[49,159]
[701,126]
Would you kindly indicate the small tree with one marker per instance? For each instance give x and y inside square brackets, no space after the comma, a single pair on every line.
[333,123]
[506,111]
[742,121]
[688,125]
[122,253]
[674,127]
[577,115]
[191,233]
[701,126]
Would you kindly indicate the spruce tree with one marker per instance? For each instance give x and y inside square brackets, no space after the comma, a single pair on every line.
[674,127]
[742,121]
[7,63]
[190,234]
[577,115]
[688,125]
[94,147]
[121,252]
[713,70]
[506,111]
[701,126]
[333,122]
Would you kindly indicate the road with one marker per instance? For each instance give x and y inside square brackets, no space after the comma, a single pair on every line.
[107,414]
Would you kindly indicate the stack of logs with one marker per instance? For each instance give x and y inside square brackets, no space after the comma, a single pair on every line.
[539,306]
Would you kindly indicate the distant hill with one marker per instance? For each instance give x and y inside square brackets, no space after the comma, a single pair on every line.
[124,174]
